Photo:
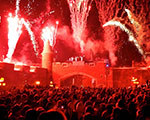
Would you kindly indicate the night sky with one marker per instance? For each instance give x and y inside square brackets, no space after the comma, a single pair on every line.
[36,10]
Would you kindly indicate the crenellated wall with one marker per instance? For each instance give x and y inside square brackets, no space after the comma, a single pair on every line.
[95,74]
[96,71]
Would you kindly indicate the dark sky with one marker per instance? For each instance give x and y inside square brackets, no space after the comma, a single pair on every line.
[33,9]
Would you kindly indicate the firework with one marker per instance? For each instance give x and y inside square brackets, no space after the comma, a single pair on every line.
[139,15]
[130,34]
[132,20]
[55,32]
[17,7]
[79,12]
[14,32]
[49,34]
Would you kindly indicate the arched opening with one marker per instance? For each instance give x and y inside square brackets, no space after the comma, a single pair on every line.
[77,79]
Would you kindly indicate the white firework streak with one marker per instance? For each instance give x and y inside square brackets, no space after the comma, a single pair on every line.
[17,6]
[130,34]
[27,25]
[132,20]
[79,12]
[48,34]
[14,32]
[55,33]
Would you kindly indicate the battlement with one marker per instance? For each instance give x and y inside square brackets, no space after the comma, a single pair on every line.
[78,63]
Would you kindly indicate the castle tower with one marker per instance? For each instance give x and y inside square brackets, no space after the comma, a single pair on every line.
[47,57]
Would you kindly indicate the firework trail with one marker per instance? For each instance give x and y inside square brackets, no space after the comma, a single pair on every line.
[17,7]
[55,32]
[132,20]
[130,34]
[79,12]
[27,25]
[14,32]
[131,17]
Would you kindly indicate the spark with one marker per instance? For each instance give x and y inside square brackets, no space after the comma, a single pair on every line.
[79,12]
[130,34]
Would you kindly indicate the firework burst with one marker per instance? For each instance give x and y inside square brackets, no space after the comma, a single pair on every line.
[49,34]
[130,34]
[79,12]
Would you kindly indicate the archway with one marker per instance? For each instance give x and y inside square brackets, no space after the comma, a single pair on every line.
[77,79]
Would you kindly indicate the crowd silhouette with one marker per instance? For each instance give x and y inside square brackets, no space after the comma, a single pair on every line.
[45,103]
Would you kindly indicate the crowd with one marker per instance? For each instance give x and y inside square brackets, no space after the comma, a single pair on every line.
[44,103]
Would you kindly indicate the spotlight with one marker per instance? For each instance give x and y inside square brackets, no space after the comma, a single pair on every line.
[51,82]
[51,85]
[107,65]
[1,79]
[57,22]
[37,82]
[4,84]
